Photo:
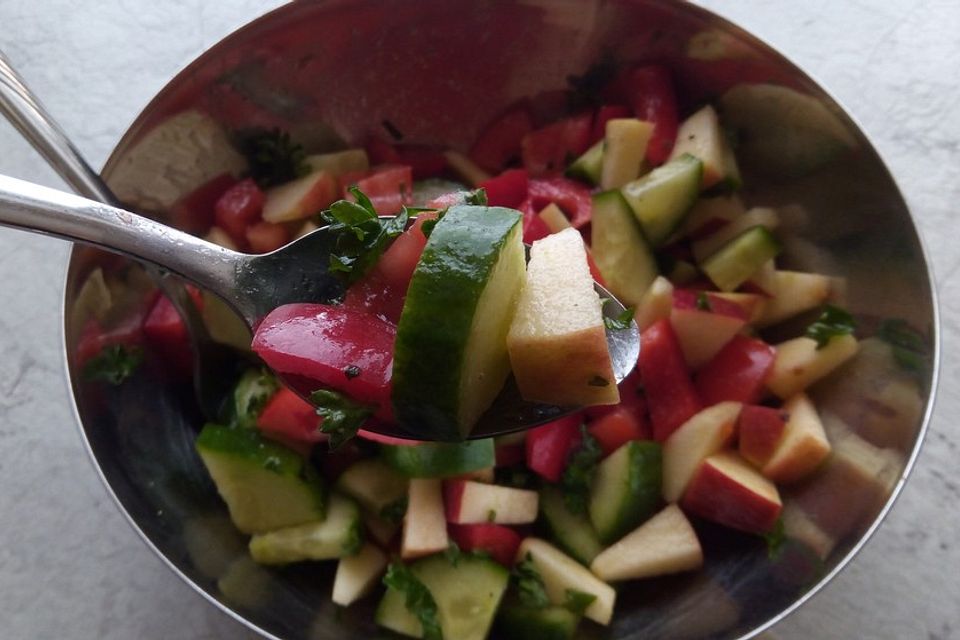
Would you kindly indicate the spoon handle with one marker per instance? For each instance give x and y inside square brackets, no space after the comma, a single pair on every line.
[31,207]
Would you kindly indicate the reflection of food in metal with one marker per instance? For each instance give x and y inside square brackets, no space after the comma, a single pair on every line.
[709,610]
[171,160]
[783,132]
[246,584]
[717,44]
[213,544]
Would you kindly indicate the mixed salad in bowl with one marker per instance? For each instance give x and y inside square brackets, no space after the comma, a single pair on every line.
[529,534]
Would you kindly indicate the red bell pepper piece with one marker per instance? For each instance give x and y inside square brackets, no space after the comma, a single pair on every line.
[499,143]
[649,91]
[238,208]
[508,189]
[571,196]
[737,372]
[336,347]
[604,115]
[670,394]
[389,187]
[194,212]
[617,427]
[499,541]
[264,237]
[550,149]
[291,417]
[534,228]
[164,330]
[549,446]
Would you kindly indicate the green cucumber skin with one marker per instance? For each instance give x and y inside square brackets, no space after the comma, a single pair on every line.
[517,622]
[639,491]
[249,445]
[439,459]
[589,166]
[572,533]
[428,354]
[684,172]
[733,263]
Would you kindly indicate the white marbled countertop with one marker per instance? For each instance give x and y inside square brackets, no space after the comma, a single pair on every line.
[70,566]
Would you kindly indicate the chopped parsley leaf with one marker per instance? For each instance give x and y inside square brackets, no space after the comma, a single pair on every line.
[341,415]
[419,601]
[578,601]
[703,302]
[776,538]
[621,322]
[907,344]
[578,475]
[113,364]
[250,396]
[394,511]
[530,587]
[833,322]
[452,553]
[272,156]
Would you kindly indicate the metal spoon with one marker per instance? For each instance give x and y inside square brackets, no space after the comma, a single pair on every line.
[253,285]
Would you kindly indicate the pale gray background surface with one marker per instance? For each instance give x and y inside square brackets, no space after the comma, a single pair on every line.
[70,567]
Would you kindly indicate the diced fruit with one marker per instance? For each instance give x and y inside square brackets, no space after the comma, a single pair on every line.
[557,343]
[662,198]
[389,187]
[752,304]
[561,572]
[323,342]
[264,237]
[604,115]
[626,489]
[439,459]
[239,207]
[518,622]
[221,238]
[733,263]
[547,150]
[265,485]
[424,525]
[655,304]
[759,431]
[700,135]
[499,541]
[337,536]
[471,272]
[508,189]
[195,212]
[554,218]
[802,447]
[469,502]
[574,533]
[709,215]
[549,446]
[300,198]
[499,142]
[649,91]
[373,484]
[620,249]
[337,162]
[725,489]
[794,292]
[708,245]
[288,415]
[589,166]
[357,575]
[619,426]
[703,324]
[697,439]
[465,168]
[738,372]
[671,398]
[625,147]
[164,330]
[664,544]
[467,595]
[571,196]
[799,363]
[510,449]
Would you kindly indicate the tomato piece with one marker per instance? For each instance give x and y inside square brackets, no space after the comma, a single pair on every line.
[670,394]
[738,371]
[499,142]
[499,541]
[164,330]
[548,446]
[194,212]
[264,237]
[508,189]
[534,228]
[549,149]
[389,187]
[617,427]
[238,208]
[649,91]
[291,417]
[571,196]
[604,115]
[336,347]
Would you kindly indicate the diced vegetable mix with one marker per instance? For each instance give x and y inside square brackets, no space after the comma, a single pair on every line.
[529,530]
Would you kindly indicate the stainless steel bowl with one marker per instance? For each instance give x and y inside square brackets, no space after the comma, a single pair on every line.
[332,72]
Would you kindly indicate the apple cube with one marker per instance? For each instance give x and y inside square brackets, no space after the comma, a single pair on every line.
[760,430]
[791,293]
[554,217]
[709,214]
[300,198]
[703,324]
[727,490]
[664,544]
[752,304]
[424,525]
[799,363]
[557,340]
[803,446]
[762,216]
[560,573]
[700,135]
[656,304]
[470,502]
[706,433]
[358,574]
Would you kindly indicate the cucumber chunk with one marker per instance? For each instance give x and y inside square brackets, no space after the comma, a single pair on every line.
[574,534]
[620,250]
[265,485]
[467,596]
[338,536]
[374,484]
[589,166]
[440,459]
[517,622]
[626,490]
[662,198]
[736,261]
[446,374]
